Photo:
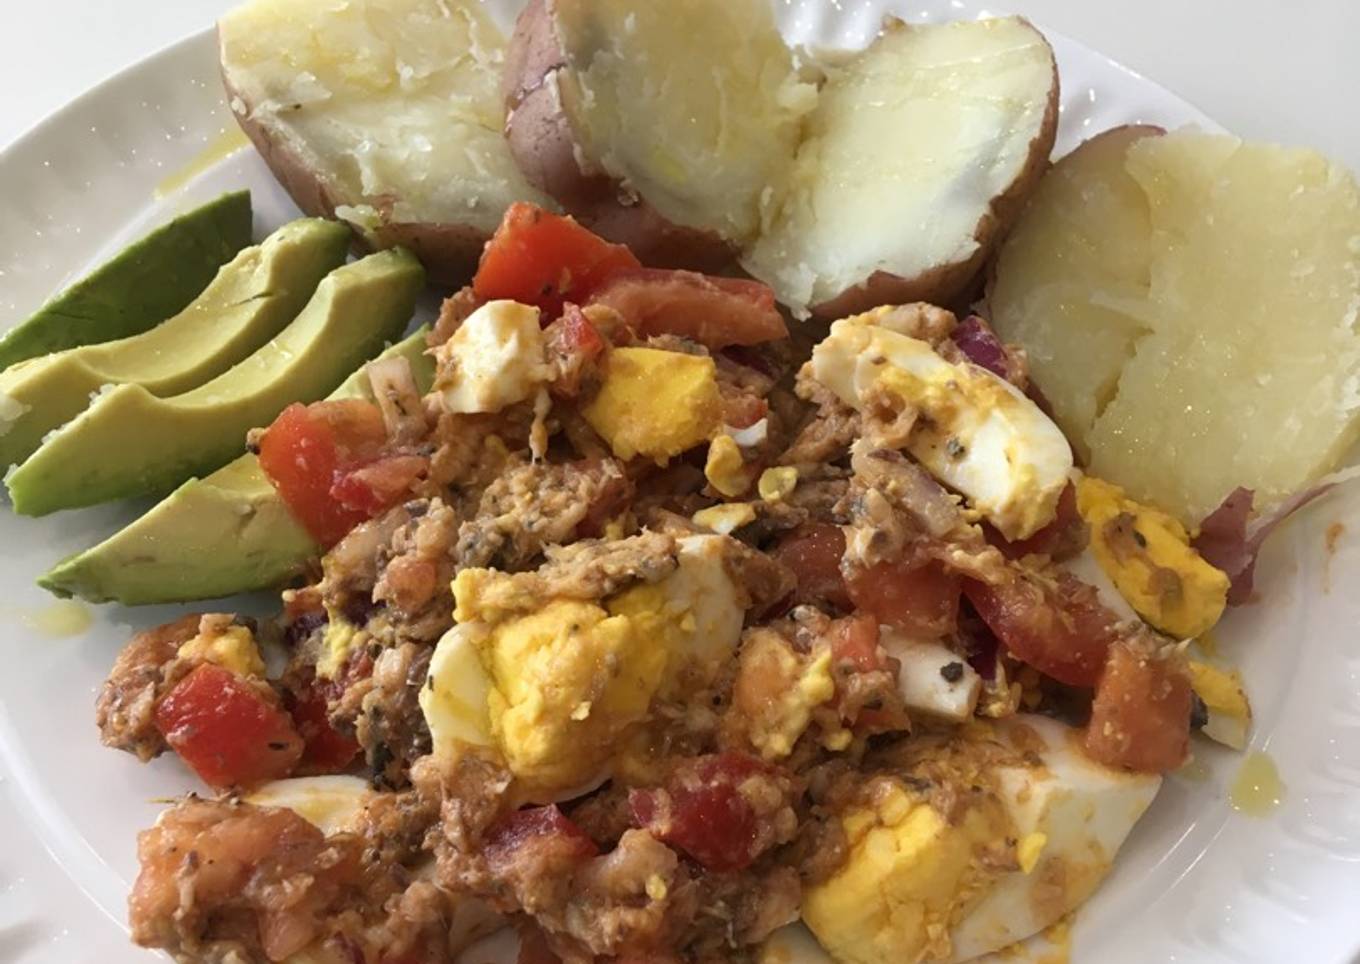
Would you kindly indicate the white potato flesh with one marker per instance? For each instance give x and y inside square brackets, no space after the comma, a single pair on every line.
[1252,375]
[695,105]
[908,146]
[395,101]
[1071,279]
[980,435]
[1190,305]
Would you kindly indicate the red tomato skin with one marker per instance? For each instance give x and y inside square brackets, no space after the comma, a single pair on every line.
[226,731]
[1061,630]
[326,462]
[542,259]
[813,551]
[702,811]
[379,485]
[716,312]
[1140,717]
[514,829]
[854,643]
[299,455]
[1063,538]
[920,599]
[326,749]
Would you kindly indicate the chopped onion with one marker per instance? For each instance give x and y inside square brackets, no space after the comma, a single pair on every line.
[394,389]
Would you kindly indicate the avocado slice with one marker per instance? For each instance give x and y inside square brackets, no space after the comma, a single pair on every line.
[141,286]
[130,442]
[251,299]
[217,536]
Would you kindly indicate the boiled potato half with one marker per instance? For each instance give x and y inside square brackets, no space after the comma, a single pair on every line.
[1189,304]
[384,113]
[918,155]
[659,125]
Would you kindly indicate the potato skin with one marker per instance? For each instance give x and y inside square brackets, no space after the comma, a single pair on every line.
[545,147]
[945,283]
[449,252]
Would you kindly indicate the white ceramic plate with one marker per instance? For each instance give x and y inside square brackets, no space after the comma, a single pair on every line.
[1196,881]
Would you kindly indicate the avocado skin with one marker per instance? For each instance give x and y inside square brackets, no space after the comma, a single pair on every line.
[130,442]
[225,534]
[141,286]
[249,301]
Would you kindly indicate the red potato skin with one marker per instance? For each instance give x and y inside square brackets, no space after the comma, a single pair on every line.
[946,284]
[544,144]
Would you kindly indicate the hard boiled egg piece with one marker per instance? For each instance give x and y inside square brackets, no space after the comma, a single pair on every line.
[979,434]
[932,678]
[455,695]
[1071,815]
[329,803]
[916,886]
[697,611]
[497,357]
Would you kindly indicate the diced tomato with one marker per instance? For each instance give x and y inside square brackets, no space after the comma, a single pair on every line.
[228,731]
[1059,627]
[702,811]
[1140,717]
[854,642]
[919,598]
[517,829]
[326,462]
[743,410]
[813,551]
[1063,538]
[713,311]
[379,485]
[299,455]
[539,258]
[573,345]
[326,749]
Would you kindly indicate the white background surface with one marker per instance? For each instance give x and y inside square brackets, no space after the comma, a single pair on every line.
[1284,70]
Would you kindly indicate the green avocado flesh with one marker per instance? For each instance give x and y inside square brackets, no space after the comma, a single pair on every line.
[251,299]
[141,286]
[130,442]
[218,536]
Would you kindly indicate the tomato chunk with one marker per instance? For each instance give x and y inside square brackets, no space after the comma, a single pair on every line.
[326,461]
[1140,717]
[1060,627]
[539,258]
[536,825]
[813,551]
[326,749]
[713,311]
[854,643]
[573,346]
[228,731]
[918,598]
[702,812]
